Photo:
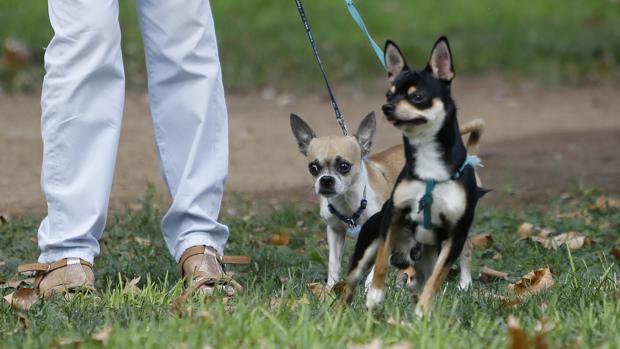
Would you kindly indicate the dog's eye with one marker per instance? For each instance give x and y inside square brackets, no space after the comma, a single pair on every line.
[417,97]
[314,169]
[344,167]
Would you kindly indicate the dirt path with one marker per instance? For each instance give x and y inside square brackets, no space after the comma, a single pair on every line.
[538,141]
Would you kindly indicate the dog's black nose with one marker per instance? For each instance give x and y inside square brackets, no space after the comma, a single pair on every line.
[388,108]
[327,181]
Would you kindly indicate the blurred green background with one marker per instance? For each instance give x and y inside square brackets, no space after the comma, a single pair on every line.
[262,43]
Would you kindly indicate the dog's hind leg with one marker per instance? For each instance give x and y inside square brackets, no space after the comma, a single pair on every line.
[435,280]
[424,267]
[375,293]
[465,264]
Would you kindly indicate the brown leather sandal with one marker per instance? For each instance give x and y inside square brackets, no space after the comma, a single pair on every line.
[65,276]
[204,271]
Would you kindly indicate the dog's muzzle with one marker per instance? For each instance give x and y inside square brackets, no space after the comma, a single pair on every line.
[388,110]
[327,185]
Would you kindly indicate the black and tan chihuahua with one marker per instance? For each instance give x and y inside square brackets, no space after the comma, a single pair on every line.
[426,221]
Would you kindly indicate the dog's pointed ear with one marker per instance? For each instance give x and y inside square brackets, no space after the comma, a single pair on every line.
[440,61]
[366,132]
[394,60]
[302,132]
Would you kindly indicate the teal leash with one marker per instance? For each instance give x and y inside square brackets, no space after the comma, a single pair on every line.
[426,202]
[360,23]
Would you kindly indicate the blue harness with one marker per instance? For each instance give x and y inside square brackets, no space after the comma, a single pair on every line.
[426,202]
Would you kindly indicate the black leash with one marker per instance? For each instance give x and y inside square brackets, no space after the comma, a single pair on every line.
[304,20]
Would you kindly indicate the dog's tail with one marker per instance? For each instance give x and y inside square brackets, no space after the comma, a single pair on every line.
[474,128]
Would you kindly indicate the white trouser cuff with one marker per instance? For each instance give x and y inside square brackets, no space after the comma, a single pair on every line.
[55,255]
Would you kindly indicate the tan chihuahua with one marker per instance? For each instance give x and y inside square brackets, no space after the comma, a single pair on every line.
[353,185]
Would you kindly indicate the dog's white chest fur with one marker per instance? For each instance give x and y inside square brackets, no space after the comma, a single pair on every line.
[448,196]
[448,201]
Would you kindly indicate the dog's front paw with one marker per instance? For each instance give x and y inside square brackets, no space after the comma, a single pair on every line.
[422,310]
[374,297]
[465,283]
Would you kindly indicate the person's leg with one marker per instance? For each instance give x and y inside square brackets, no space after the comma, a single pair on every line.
[190,118]
[82,105]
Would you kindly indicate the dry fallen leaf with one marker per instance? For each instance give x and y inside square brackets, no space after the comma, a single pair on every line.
[487,275]
[569,215]
[604,226]
[141,241]
[533,282]
[573,240]
[178,306]
[303,300]
[274,303]
[401,345]
[22,299]
[319,289]
[131,287]
[526,230]
[516,336]
[481,240]
[518,339]
[102,336]
[544,233]
[278,240]
[15,283]
[566,196]
[392,321]
[497,256]
[291,304]
[543,327]
[615,251]
[375,344]
[511,303]
[23,320]
[603,204]
[67,341]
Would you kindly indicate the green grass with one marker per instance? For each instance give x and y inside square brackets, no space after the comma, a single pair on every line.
[582,306]
[263,43]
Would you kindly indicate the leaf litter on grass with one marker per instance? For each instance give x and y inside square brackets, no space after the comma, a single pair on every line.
[320,290]
[300,274]
[377,344]
[102,337]
[278,240]
[518,338]
[604,204]
[22,298]
[481,241]
[488,275]
[543,236]
[533,282]
[131,287]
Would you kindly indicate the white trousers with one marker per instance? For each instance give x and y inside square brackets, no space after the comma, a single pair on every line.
[82,105]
